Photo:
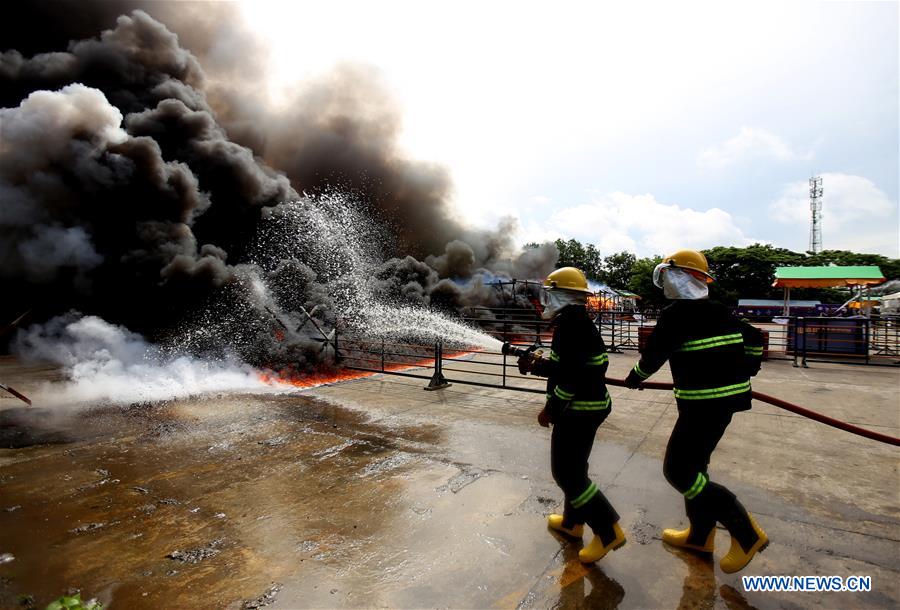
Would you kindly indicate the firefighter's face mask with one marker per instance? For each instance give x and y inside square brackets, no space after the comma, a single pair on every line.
[679,284]
[554,299]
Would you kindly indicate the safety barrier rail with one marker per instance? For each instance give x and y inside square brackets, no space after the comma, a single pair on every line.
[847,340]
[842,340]
[492,369]
[803,340]
[620,328]
[484,368]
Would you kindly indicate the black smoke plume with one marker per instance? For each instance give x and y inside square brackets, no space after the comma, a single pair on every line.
[138,166]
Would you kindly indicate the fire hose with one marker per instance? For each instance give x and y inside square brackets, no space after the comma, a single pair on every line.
[3,386]
[777,402]
[15,393]
[787,406]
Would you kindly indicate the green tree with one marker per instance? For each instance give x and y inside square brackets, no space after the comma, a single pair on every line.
[641,283]
[890,267]
[593,264]
[740,272]
[617,269]
[573,253]
[747,272]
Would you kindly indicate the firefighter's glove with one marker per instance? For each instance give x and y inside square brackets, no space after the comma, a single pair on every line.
[554,407]
[634,381]
[530,362]
[544,418]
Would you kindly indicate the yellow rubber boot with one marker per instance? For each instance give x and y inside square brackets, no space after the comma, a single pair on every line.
[737,558]
[679,538]
[596,550]
[555,522]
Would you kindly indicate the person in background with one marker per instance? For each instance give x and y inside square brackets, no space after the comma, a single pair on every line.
[712,355]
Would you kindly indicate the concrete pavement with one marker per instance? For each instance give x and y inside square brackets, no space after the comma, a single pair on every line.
[374,493]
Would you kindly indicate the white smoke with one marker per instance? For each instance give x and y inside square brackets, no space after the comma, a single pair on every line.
[47,125]
[108,364]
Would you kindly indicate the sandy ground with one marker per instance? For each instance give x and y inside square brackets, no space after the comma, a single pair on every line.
[374,493]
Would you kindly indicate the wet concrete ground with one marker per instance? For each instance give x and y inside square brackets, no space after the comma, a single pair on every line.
[374,493]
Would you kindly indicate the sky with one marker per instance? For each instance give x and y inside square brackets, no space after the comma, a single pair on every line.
[639,126]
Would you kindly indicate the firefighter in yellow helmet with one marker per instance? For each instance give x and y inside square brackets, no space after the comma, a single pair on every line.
[577,403]
[712,355]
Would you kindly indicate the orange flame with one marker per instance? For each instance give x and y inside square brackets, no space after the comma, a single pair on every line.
[309,380]
[290,376]
[598,302]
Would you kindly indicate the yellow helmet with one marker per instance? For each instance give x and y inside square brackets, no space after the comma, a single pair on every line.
[567,278]
[690,260]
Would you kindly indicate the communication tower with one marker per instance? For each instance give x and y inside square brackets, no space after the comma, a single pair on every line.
[815,208]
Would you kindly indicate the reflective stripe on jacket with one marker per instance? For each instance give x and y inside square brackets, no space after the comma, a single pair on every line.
[712,354]
[577,363]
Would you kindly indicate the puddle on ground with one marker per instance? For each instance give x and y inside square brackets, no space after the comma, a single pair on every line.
[286,501]
[196,503]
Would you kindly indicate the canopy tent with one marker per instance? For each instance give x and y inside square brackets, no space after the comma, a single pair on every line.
[627,294]
[825,277]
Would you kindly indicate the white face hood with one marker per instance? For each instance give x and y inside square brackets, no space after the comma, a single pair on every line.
[679,284]
[554,299]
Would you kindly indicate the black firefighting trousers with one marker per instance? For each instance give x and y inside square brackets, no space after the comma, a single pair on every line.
[570,447]
[694,437]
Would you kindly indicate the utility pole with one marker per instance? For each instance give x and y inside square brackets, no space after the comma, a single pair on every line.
[815,208]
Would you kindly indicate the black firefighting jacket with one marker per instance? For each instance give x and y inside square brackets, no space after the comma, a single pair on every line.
[712,354]
[576,367]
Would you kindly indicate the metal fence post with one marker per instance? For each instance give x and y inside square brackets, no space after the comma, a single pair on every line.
[796,346]
[437,380]
[612,338]
[805,343]
[505,340]
[868,337]
[337,354]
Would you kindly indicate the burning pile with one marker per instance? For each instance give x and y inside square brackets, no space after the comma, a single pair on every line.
[139,188]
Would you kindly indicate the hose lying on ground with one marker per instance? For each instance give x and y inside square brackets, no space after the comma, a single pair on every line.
[15,393]
[787,406]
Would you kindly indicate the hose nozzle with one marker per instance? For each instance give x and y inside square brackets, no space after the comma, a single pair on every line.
[511,350]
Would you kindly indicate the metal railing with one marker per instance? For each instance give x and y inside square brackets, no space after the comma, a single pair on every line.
[482,368]
[843,340]
[803,340]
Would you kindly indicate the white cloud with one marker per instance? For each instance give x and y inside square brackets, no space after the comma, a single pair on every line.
[856,215]
[748,145]
[640,224]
